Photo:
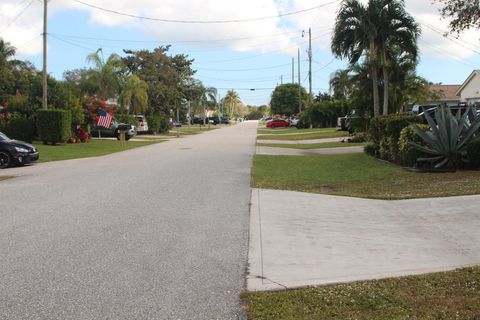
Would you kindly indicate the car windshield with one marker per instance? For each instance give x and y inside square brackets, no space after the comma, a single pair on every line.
[3,137]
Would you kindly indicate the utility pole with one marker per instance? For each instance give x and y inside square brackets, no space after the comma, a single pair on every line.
[281,79]
[293,70]
[44,99]
[299,85]
[310,66]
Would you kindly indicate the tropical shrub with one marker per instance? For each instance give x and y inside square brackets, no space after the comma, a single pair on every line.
[153,124]
[446,142]
[473,153]
[384,133]
[54,125]
[408,154]
[127,119]
[370,149]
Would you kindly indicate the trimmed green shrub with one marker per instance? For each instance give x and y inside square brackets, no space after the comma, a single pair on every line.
[153,124]
[165,124]
[408,154]
[370,149]
[384,133]
[473,153]
[54,125]
[20,128]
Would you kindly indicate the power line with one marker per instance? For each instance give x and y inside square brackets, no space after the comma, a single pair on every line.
[442,52]
[18,16]
[250,69]
[446,36]
[13,8]
[203,21]
[176,41]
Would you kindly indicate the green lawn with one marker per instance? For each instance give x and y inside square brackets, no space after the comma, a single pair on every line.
[358,175]
[194,129]
[93,148]
[446,295]
[296,134]
[294,130]
[311,145]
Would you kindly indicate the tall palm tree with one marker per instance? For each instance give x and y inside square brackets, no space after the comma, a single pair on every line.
[340,84]
[231,99]
[134,95]
[397,36]
[107,74]
[354,36]
[372,31]
[6,51]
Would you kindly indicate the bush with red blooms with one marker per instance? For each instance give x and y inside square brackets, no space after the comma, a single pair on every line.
[4,114]
[91,106]
[82,134]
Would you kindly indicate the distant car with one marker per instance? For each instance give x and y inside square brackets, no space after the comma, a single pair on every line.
[114,131]
[225,120]
[142,124]
[16,152]
[277,123]
[293,122]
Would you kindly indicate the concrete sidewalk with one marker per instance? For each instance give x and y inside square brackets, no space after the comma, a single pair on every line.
[307,152]
[302,239]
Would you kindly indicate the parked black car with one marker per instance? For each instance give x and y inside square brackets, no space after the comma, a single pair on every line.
[16,152]
[113,131]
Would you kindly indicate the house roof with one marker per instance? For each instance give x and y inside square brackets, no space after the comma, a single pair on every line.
[449,91]
[470,77]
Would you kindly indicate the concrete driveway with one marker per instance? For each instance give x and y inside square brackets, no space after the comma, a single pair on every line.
[302,239]
[158,232]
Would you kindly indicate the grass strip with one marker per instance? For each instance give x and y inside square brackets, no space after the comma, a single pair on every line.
[311,145]
[93,148]
[303,136]
[358,175]
[445,295]
[294,131]
[5,177]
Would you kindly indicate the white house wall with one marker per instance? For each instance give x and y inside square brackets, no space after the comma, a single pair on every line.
[471,91]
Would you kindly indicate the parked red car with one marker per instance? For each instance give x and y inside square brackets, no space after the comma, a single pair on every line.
[277,123]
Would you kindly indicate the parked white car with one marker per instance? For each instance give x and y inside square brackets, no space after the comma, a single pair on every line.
[142,124]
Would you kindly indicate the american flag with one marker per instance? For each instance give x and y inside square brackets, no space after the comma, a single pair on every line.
[104,119]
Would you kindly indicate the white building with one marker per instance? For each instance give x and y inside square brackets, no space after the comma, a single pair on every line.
[469,92]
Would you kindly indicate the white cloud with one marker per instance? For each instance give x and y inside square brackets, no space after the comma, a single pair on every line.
[265,35]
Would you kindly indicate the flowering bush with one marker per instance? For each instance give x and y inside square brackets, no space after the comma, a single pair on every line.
[82,134]
[91,106]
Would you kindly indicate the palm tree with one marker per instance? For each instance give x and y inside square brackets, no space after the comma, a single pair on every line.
[397,36]
[340,84]
[6,51]
[134,95]
[372,31]
[231,99]
[354,36]
[107,74]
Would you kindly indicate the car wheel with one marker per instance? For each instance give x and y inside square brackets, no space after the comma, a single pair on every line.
[5,159]
[127,137]
[273,126]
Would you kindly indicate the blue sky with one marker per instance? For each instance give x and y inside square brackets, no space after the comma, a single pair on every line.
[242,55]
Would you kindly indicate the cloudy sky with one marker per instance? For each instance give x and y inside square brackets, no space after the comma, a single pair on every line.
[241,45]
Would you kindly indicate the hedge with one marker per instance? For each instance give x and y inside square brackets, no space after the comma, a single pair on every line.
[19,128]
[54,125]
[384,133]
[473,153]
[158,124]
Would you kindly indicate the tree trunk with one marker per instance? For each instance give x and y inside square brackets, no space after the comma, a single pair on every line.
[385,90]
[373,66]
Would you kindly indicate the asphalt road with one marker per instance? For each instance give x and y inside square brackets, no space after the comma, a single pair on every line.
[159,232]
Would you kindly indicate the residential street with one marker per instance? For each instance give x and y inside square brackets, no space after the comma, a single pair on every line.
[159,232]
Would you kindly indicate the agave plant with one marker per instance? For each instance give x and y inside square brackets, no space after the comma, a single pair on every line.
[448,136]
